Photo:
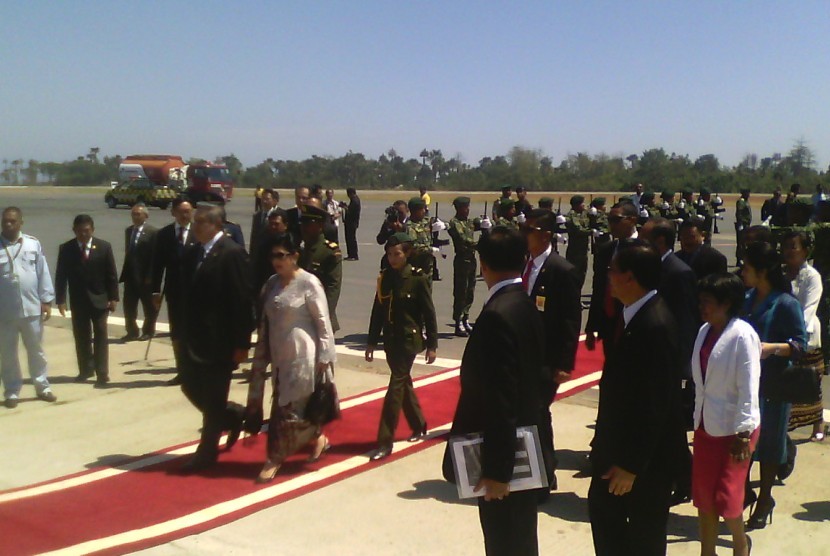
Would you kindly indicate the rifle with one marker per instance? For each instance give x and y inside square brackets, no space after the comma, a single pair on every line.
[439,243]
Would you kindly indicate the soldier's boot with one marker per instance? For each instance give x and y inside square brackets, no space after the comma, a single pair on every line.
[460,329]
[467,326]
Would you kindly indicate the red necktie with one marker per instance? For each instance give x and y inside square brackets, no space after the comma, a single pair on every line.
[526,275]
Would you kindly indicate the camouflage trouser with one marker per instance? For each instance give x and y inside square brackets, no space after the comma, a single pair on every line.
[463,286]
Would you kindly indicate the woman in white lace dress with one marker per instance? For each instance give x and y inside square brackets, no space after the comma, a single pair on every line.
[296,339]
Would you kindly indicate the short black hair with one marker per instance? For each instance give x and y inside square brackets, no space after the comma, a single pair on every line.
[13,209]
[726,288]
[686,224]
[762,256]
[664,228]
[350,191]
[83,220]
[802,236]
[757,234]
[178,201]
[279,212]
[400,202]
[627,209]
[503,249]
[271,191]
[284,242]
[642,260]
[545,220]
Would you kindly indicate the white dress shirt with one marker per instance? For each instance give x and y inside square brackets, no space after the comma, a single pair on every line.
[209,245]
[537,266]
[186,232]
[634,308]
[496,287]
[727,399]
[807,289]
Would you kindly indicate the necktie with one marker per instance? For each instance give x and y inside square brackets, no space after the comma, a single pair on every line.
[134,239]
[201,256]
[181,235]
[526,275]
[85,252]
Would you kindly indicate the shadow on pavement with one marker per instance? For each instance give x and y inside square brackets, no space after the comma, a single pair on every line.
[567,506]
[814,511]
[435,489]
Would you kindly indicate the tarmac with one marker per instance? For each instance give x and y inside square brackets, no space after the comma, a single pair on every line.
[403,507]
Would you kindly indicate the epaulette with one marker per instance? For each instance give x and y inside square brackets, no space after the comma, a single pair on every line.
[417,271]
[331,244]
[231,222]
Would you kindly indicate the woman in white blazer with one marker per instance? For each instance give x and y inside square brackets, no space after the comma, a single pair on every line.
[726,368]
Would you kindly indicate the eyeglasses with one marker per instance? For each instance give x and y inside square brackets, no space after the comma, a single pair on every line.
[279,255]
[616,218]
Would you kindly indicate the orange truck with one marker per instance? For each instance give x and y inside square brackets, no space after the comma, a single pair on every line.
[196,182]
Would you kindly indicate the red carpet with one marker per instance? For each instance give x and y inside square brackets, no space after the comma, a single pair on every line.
[152,495]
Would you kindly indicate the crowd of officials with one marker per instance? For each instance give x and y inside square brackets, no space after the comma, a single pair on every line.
[688,346]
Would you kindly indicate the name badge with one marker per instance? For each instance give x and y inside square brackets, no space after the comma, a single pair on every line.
[540,303]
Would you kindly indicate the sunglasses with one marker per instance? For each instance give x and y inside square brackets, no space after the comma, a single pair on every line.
[616,218]
[279,255]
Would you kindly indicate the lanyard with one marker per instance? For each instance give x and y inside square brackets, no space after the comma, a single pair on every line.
[8,253]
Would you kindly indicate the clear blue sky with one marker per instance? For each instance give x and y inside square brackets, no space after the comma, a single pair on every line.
[292,79]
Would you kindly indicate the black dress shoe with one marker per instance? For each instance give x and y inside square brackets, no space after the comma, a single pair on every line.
[419,435]
[144,337]
[679,497]
[197,463]
[10,403]
[381,453]
[102,382]
[129,337]
[83,377]
[233,434]
[175,381]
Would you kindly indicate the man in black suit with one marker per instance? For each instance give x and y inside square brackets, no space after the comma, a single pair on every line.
[172,242]
[633,450]
[702,259]
[87,267]
[605,314]
[137,274]
[351,222]
[554,287]
[259,221]
[219,320]
[301,196]
[502,387]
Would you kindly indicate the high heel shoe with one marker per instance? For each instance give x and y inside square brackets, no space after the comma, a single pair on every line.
[269,471]
[749,500]
[759,518]
[318,452]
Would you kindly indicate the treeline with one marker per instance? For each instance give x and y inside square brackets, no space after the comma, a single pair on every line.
[530,168]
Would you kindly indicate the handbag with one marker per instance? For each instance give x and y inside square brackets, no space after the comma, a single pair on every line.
[324,404]
[798,382]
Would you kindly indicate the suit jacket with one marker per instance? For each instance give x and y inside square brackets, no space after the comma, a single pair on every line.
[639,420]
[167,262]
[218,313]
[556,295]
[705,261]
[598,319]
[502,379]
[259,222]
[678,288]
[234,231]
[352,217]
[91,283]
[292,220]
[138,260]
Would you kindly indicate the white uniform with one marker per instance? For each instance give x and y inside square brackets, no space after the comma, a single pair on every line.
[25,283]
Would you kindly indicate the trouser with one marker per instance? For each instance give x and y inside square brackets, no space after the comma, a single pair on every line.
[176,334]
[30,329]
[207,389]
[634,523]
[463,286]
[399,395]
[351,240]
[580,261]
[134,293]
[89,326]
[509,524]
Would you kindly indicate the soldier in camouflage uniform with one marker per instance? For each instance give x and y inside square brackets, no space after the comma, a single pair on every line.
[461,229]
[668,208]
[321,257]
[685,207]
[403,315]
[599,223]
[743,220]
[705,211]
[506,212]
[578,226]
[420,232]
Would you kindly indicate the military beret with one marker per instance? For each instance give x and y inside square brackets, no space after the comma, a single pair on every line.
[577,200]
[398,238]
[506,203]
[310,213]
[520,189]
[687,191]
[598,202]
[546,201]
[705,191]
[416,202]
[461,201]
[505,188]
[625,199]
[647,196]
[667,195]
[744,190]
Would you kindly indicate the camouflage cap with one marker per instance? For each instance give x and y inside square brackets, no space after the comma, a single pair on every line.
[461,202]
[598,202]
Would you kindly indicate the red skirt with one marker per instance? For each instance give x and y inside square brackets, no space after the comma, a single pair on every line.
[718,479]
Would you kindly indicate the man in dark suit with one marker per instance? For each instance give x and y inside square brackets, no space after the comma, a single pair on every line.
[137,275]
[351,222]
[554,287]
[502,387]
[259,221]
[172,242]
[87,267]
[219,321]
[702,259]
[301,196]
[605,314]
[633,451]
